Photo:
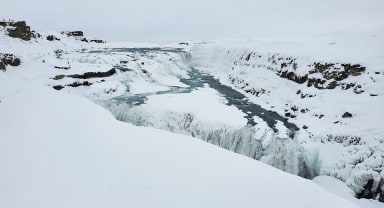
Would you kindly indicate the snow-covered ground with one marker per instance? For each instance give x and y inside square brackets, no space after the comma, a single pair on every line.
[205,104]
[60,150]
[66,143]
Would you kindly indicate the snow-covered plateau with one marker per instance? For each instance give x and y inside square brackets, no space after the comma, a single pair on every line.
[311,107]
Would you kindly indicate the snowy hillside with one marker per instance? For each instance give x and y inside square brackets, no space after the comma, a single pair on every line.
[59,150]
[310,107]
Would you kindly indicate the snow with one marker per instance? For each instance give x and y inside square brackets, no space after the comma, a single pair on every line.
[327,147]
[205,104]
[141,87]
[60,150]
[339,188]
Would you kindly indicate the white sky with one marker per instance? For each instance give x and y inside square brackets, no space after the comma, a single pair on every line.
[163,20]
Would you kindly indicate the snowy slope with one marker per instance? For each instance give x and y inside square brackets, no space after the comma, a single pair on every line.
[58,150]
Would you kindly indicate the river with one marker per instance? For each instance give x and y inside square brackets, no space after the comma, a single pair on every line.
[197,79]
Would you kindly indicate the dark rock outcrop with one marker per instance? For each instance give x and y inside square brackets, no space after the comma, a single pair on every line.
[88,75]
[79,35]
[2,66]
[58,87]
[74,84]
[18,30]
[371,192]
[332,75]
[335,71]
[59,53]
[321,75]
[58,77]
[248,57]
[347,115]
[62,67]
[293,77]
[78,84]
[8,59]
[52,38]
[97,41]
[345,140]
[73,33]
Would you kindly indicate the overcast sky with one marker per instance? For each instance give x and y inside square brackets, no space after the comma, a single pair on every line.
[164,20]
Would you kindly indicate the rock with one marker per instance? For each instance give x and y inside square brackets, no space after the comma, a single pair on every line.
[97,41]
[320,67]
[144,71]
[58,77]
[8,59]
[18,30]
[287,114]
[347,115]
[52,38]
[293,77]
[59,53]
[373,95]
[301,80]
[88,75]
[2,66]
[248,57]
[77,84]
[370,192]
[323,75]
[357,89]
[305,127]
[294,108]
[58,87]
[354,70]
[347,86]
[73,33]
[317,83]
[62,67]
[332,85]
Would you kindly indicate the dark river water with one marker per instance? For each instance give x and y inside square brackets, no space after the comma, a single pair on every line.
[198,79]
